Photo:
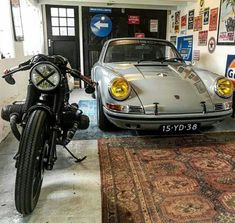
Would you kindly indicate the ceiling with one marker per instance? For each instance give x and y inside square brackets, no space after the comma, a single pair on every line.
[153,4]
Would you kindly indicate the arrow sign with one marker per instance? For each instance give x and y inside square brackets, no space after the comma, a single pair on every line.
[101,25]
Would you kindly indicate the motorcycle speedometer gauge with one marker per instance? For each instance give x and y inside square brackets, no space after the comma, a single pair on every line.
[45,76]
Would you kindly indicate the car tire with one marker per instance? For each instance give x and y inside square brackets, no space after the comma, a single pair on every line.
[102,121]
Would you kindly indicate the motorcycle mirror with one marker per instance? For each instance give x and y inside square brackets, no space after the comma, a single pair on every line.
[10,80]
[89,89]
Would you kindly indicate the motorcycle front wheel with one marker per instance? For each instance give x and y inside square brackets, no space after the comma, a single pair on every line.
[30,166]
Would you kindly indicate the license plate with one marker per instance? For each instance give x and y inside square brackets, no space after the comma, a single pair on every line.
[191,127]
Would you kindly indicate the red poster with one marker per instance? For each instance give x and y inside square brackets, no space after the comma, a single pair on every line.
[197,23]
[183,22]
[213,19]
[139,35]
[133,19]
[202,38]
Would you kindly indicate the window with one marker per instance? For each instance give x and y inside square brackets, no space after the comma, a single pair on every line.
[62,22]
[6,33]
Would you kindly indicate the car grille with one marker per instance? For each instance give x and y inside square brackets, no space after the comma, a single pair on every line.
[219,107]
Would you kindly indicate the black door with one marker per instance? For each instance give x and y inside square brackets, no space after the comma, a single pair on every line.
[63,32]
[120,28]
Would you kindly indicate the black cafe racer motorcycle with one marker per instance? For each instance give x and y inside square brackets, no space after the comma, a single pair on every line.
[47,119]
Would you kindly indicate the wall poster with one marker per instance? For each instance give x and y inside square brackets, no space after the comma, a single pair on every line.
[197,23]
[173,40]
[177,22]
[206,16]
[226,27]
[184,22]
[185,47]
[202,38]
[190,19]
[213,19]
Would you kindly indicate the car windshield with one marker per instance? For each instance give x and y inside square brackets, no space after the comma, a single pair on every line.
[141,51]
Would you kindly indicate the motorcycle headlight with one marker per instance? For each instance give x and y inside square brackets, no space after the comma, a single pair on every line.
[45,76]
[224,88]
[119,89]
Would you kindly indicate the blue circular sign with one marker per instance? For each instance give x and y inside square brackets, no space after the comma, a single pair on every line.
[101,25]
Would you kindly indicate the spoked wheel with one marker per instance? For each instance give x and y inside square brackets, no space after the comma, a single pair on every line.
[30,167]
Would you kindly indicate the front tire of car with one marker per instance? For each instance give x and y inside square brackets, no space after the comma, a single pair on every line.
[102,121]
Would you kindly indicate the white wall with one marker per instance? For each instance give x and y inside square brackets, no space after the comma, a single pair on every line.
[215,62]
[10,93]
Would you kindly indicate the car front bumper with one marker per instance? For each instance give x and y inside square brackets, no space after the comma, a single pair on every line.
[154,122]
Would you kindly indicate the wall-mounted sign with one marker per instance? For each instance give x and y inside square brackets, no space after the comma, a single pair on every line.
[153,25]
[177,22]
[139,35]
[100,10]
[211,45]
[202,38]
[190,19]
[101,25]
[197,23]
[185,47]
[226,27]
[206,16]
[133,19]
[213,19]
[230,68]
[173,40]
[184,22]
[196,55]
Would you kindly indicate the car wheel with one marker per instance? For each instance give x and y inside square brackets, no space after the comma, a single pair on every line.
[102,121]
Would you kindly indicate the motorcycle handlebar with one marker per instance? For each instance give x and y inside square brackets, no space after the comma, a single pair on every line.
[16,69]
[77,74]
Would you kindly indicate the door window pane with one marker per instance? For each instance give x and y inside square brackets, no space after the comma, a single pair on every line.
[54,21]
[71,32]
[70,12]
[55,31]
[62,12]
[54,12]
[70,21]
[63,22]
[63,31]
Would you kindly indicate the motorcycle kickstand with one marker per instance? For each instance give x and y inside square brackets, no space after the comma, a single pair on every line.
[77,160]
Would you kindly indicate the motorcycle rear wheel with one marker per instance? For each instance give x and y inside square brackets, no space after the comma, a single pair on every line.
[30,167]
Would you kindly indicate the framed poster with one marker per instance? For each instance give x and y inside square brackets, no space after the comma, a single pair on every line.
[184,22]
[202,38]
[185,47]
[213,19]
[206,16]
[197,23]
[226,26]
[177,22]
[16,19]
[190,19]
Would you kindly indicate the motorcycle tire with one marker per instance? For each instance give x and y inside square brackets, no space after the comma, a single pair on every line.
[30,167]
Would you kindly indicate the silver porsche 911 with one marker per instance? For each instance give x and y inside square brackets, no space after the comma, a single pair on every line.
[144,84]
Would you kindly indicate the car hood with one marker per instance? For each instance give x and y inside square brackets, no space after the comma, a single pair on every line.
[176,88]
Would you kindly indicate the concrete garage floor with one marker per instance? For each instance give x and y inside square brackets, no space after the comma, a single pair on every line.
[70,192]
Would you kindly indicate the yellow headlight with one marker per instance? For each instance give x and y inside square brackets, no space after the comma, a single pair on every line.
[224,87]
[119,89]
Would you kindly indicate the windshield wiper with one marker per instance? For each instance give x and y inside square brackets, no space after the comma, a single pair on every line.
[161,59]
[174,59]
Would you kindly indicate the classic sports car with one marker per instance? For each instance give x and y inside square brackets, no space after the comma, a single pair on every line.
[144,84]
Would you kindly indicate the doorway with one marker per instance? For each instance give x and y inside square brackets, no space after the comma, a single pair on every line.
[63,32]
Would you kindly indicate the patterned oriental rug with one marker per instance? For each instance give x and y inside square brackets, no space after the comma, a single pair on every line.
[168,179]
